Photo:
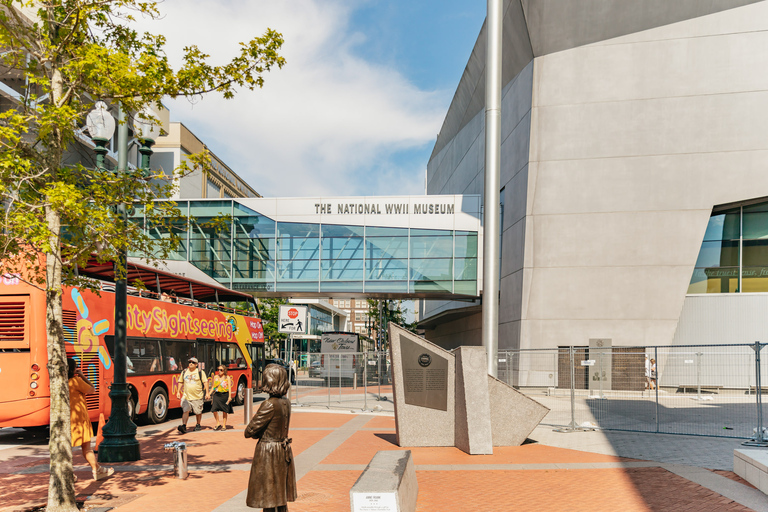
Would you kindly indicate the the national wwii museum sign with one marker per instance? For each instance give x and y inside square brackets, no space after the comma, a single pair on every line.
[448,212]
[379,208]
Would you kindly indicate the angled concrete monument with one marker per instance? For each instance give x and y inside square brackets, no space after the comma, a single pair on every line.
[447,398]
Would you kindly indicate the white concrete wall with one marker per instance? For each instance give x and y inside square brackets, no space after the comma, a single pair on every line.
[633,141]
[459,168]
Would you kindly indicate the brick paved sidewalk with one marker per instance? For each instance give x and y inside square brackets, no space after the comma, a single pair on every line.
[331,451]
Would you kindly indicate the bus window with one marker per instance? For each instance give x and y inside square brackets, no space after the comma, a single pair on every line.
[177,353]
[143,356]
[205,355]
[228,354]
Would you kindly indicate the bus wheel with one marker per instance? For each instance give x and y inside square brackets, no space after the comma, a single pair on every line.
[131,409]
[157,408]
[240,396]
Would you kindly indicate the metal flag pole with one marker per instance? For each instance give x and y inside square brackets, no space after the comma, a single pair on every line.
[492,206]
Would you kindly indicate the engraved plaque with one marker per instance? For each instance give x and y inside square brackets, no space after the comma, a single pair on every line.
[425,376]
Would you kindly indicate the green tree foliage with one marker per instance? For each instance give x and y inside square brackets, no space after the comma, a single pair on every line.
[270,311]
[58,211]
[391,311]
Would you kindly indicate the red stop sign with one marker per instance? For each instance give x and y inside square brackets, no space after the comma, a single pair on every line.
[293,313]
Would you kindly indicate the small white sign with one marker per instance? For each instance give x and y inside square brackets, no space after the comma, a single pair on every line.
[332,342]
[502,360]
[689,361]
[589,362]
[292,319]
[372,363]
[374,502]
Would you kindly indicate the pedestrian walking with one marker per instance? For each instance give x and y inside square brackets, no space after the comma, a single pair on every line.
[221,396]
[193,390]
[272,482]
[80,423]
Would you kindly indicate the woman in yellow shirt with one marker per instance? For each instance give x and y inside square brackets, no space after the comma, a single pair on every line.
[82,430]
[221,397]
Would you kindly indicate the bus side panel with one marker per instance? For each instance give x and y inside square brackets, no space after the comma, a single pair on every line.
[24,401]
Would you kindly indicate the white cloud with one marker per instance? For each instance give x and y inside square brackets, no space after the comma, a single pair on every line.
[329,122]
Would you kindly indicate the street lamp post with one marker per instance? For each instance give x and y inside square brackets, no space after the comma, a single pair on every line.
[120,443]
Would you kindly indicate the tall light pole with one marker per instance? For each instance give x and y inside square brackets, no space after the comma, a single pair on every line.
[492,208]
[120,443]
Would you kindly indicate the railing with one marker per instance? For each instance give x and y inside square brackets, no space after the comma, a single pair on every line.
[358,381]
[707,390]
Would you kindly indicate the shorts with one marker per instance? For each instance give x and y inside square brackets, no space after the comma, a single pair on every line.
[196,406]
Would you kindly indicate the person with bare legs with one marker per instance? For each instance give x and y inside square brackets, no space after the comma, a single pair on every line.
[221,397]
[193,389]
[82,430]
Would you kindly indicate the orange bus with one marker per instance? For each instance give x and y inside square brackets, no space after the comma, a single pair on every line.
[169,320]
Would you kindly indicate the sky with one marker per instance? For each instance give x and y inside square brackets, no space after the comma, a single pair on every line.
[356,109]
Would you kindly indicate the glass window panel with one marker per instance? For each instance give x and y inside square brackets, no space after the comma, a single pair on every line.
[756,225]
[298,249]
[754,279]
[431,232]
[723,226]
[432,269]
[297,230]
[465,246]
[342,248]
[300,270]
[378,231]
[347,270]
[718,254]
[465,268]
[465,287]
[342,286]
[262,249]
[165,230]
[714,280]
[759,207]
[386,247]
[210,208]
[254,227]
[387,270]
[253,270]
[342,231]
[755,253]
[388,286]
[432,286]
[432,246]
[297,286]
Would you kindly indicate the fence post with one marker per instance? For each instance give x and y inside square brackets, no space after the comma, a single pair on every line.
[655,379]
[698,375]
[365,380]
[572,427]
[759,439]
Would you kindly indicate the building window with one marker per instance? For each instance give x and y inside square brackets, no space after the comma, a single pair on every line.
[734,253]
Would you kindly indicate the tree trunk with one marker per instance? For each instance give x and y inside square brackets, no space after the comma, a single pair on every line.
[61,485]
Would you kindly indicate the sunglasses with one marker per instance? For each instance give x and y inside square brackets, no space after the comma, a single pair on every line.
[220,369]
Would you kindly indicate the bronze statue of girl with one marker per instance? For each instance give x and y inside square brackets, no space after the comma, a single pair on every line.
[272,483]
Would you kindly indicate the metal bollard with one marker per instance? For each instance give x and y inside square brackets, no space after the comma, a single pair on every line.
[248,406]
[179,450]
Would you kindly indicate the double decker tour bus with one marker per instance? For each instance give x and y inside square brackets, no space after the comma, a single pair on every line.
[170,319]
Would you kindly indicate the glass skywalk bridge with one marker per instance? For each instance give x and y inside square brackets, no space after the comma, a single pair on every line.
[395,247]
